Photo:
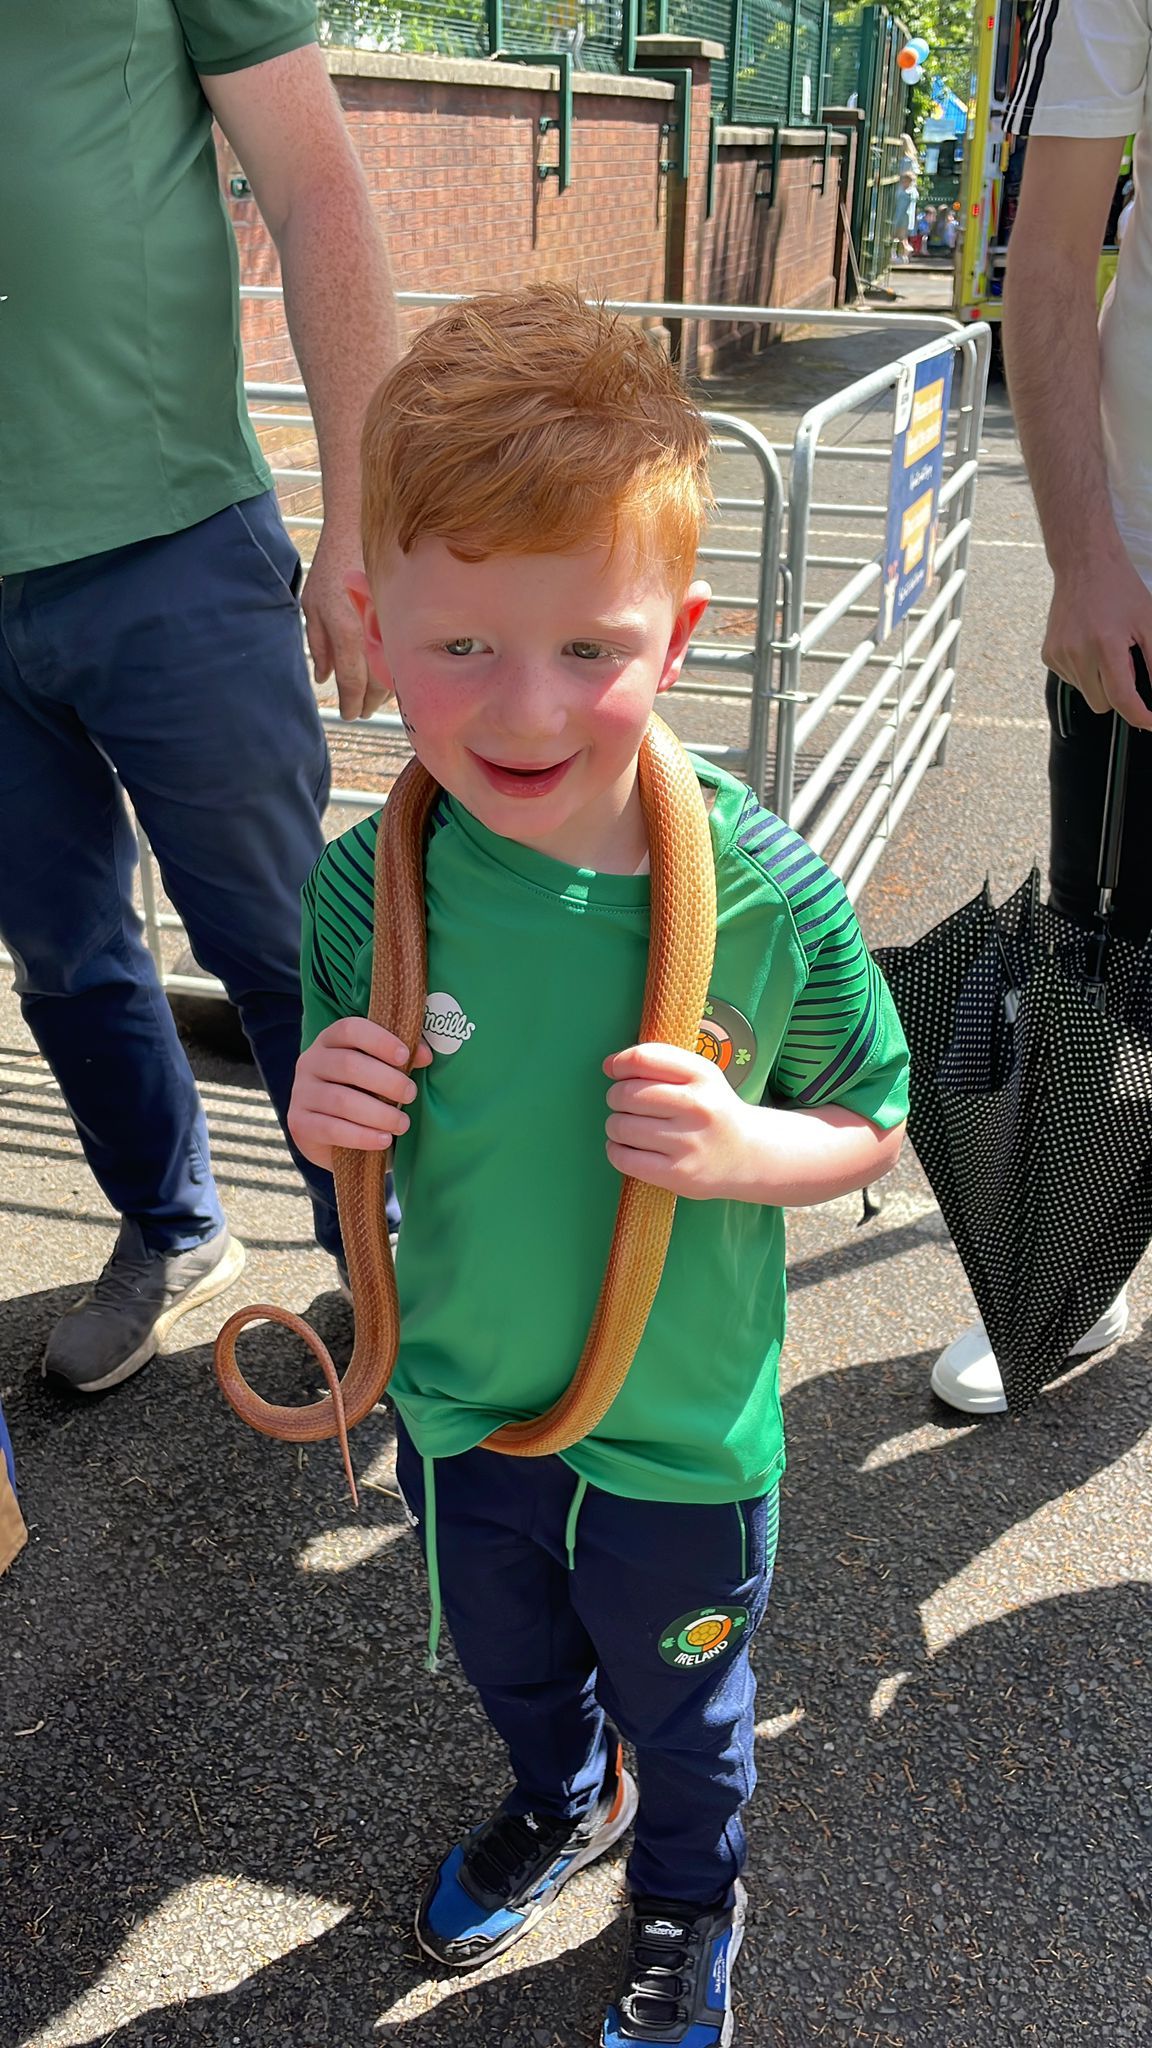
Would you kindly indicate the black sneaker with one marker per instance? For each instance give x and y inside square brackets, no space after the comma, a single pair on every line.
[125,1316]
[676,1984]
[495,1885]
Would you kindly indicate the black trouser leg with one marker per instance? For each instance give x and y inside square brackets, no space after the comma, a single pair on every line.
[1077,777]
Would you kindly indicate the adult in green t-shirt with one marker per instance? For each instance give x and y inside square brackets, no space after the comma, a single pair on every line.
[150,637]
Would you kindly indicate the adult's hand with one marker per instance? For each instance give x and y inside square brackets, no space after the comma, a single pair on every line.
[335,640]
[1099,612]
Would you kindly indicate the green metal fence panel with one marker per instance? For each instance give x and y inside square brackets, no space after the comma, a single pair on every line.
[764,61]
[891,120]
[777,52]
[589,29]
[806,97]
[845,44]
[443,28]
[865,42]
[710,18]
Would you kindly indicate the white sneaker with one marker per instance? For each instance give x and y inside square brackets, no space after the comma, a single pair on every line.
[967,1376]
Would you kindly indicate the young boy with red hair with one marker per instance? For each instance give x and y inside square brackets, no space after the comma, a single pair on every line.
[534,492]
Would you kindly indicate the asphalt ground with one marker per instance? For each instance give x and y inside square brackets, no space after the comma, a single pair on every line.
[225,1773]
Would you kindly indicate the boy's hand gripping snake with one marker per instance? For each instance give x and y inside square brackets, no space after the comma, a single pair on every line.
[681,942]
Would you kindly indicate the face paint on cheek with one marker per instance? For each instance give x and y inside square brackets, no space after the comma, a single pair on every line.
[405,721]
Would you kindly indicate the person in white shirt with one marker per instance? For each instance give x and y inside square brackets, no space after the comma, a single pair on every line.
[1081,389]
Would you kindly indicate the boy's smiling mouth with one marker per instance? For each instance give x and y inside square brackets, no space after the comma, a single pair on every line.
[529,780]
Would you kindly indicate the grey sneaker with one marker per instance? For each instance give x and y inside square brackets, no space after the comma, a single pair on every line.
[126,1314]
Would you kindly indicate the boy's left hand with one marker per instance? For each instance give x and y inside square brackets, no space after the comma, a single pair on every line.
[676,1123]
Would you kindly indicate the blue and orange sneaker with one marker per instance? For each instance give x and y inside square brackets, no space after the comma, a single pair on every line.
[495,1885]
[676,1983]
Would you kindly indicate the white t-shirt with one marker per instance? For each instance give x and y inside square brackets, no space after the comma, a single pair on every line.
[1087,72]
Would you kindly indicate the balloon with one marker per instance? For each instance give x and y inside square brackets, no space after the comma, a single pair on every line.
[914,76]
[907,59]
[921,48]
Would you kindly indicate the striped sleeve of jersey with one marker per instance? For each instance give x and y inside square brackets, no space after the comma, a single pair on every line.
[336,925]
[1083,70]
[843,1042]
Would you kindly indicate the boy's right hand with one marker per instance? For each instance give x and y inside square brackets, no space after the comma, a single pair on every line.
[350,1089]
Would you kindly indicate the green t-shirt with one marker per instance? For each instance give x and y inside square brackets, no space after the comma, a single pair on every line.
[535,974]
[122,409]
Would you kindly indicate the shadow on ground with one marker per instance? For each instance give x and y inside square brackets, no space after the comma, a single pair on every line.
[943,1848]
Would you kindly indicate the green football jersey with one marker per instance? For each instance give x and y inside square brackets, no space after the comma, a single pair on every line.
[123,414]
[535,975]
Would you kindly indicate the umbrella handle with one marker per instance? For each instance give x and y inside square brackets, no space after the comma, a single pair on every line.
[1112,826]
[1116,790]
[1112,831]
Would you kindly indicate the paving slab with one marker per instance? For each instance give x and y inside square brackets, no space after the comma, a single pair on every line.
[225,1773]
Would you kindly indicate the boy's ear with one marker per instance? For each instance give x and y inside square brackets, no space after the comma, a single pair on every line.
[360,591]
[696,601]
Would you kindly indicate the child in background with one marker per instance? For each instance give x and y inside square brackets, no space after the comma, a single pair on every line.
[534,490]
[925,222]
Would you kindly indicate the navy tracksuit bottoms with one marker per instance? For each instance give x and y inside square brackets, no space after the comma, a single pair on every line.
[570,1607]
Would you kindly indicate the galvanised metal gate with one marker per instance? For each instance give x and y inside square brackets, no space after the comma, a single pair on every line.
[852,745]
[754,693]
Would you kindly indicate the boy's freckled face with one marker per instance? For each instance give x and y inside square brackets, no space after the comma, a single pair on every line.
[526,682]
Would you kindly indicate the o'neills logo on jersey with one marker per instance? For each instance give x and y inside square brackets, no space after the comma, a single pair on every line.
[445,1026]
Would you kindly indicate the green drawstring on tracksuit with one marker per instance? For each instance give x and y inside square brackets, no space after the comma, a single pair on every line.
[432,1555]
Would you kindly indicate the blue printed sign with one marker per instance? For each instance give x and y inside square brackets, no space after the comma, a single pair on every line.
[922,398]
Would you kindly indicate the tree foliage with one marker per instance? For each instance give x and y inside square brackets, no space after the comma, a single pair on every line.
[949,28]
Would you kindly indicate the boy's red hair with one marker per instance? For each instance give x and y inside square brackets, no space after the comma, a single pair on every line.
[527,422]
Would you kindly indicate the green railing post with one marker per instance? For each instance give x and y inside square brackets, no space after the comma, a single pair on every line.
[681,78]
[735,26]
[866,94]
[713,159]
[494,10]
[822,83]
[629,28]
[793,62]
[559,61]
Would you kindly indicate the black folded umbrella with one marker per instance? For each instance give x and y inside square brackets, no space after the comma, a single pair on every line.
[1031,1105]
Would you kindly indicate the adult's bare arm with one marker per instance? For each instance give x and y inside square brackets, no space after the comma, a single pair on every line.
[287,128]
[1100,606]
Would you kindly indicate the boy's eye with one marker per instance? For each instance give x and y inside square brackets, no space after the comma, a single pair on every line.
[465,645]
[587,650]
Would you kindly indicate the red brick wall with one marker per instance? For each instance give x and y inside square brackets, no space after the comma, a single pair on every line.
[786,254]
[452,162]
[453,170]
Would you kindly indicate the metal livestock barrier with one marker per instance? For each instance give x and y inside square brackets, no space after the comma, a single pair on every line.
[756,691]
[852,746]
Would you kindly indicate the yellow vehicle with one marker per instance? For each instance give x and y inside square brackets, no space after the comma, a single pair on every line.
[990,188]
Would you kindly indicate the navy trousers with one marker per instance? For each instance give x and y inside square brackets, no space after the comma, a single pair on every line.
[173,669]
[569,1606]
